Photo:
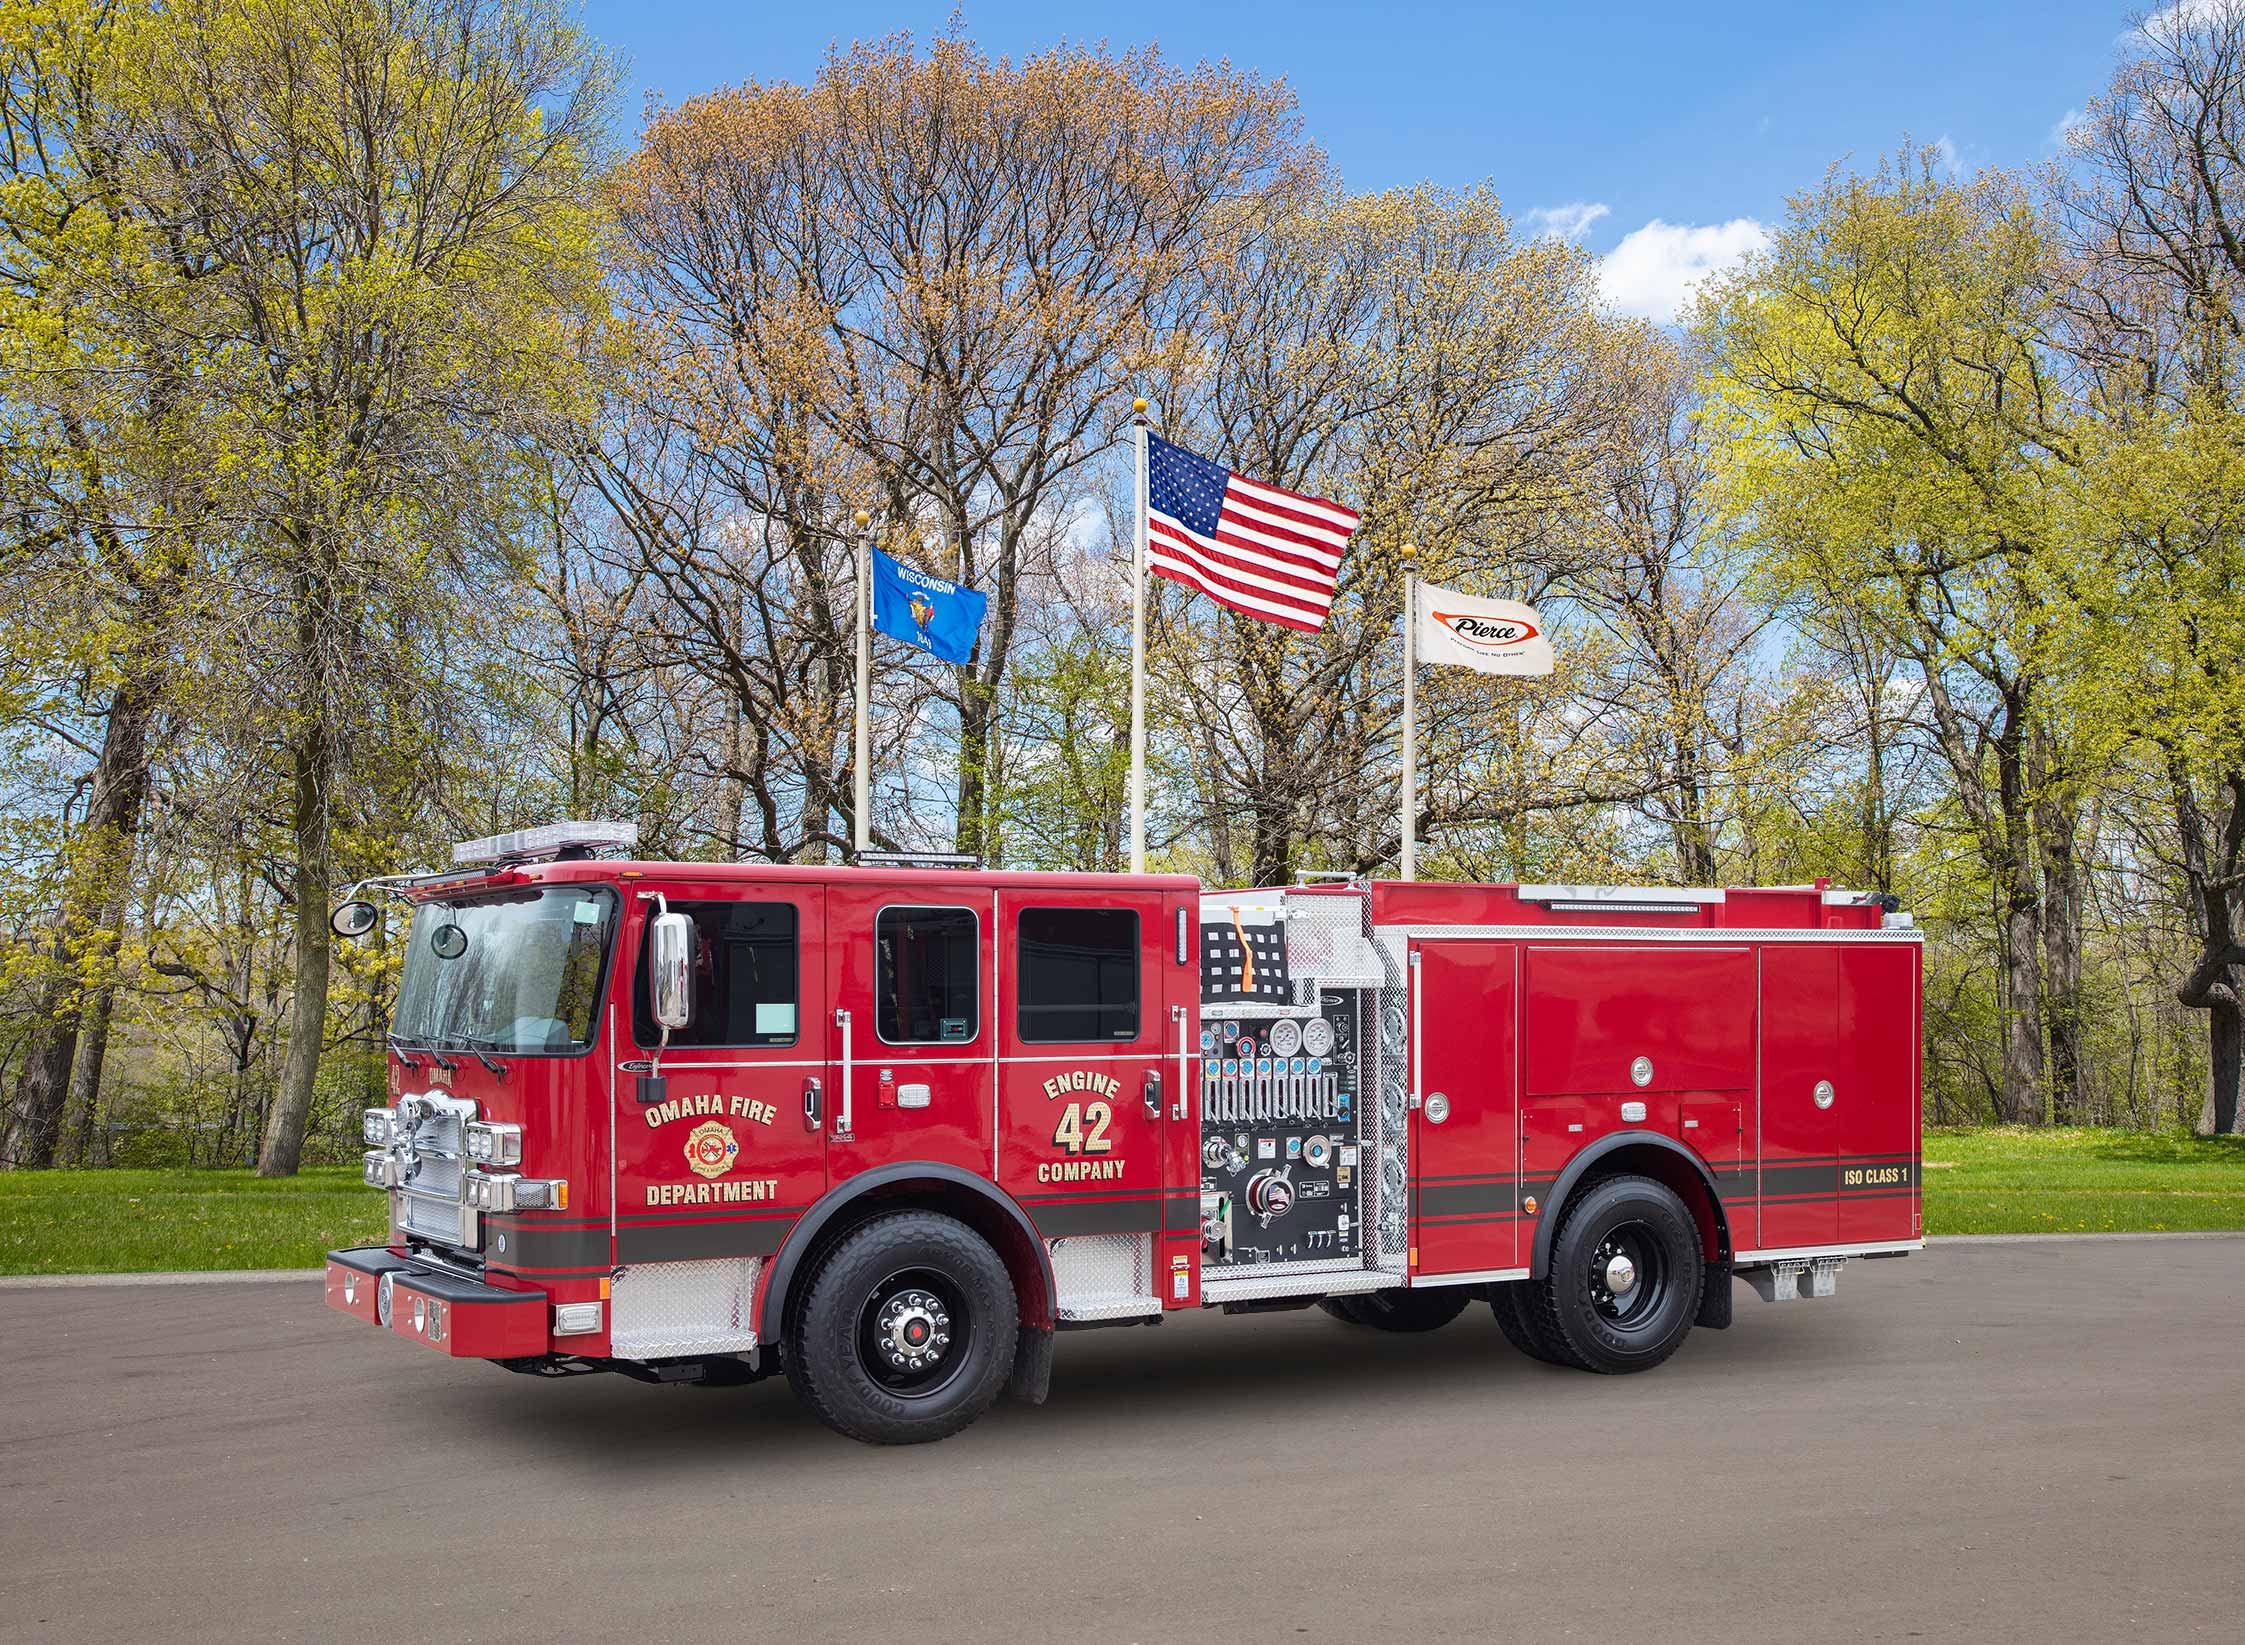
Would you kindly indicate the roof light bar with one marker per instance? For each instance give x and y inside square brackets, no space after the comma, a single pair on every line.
[581,839]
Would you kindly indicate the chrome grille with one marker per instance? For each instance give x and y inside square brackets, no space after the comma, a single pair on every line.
[435,1219]
[428,1205]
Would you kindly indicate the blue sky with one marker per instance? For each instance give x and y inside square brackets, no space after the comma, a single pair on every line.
[1698,119]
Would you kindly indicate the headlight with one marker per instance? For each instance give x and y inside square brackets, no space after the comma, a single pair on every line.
[375,1126]
[379,1169]
[490,1142]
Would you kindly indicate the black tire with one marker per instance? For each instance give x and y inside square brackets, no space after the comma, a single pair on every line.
[889,1290]
[1605,1329]
[1397,1309]
[1518,1317]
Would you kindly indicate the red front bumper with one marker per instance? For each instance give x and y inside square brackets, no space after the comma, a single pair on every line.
[456,1316]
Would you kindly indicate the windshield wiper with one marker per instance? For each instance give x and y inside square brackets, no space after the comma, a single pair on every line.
[404,1050]
[476,1051]
[427,1048]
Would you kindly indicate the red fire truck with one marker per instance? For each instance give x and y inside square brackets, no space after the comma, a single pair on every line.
[888,1129]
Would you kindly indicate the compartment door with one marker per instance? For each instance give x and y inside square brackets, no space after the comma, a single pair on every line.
[1799,986]
[1875,1101]
[1465,1137]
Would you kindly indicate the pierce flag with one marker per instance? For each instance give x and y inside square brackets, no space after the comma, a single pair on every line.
[1494,636]
[937,616]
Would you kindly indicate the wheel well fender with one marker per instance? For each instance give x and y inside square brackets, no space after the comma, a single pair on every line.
[925,1185]
[1645,1153]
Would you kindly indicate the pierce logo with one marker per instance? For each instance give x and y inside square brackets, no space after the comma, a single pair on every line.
[1486,633]
[711,1149]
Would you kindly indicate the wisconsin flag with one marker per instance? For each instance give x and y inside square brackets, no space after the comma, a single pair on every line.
[937,616]
[1494,636]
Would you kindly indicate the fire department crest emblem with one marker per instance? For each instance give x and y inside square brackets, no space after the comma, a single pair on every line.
[711,1149]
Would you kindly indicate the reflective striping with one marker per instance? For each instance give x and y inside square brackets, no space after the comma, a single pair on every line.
[1113,1216]
[694,1241]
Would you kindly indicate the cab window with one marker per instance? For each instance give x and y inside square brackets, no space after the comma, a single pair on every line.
[927,989]
[745,967]
[1078,975]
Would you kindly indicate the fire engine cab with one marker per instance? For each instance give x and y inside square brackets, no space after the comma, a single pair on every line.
[888,1129]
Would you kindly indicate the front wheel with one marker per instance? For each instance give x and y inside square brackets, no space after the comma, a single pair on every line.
[907,1331]
[1397,1309]
[1625,1276]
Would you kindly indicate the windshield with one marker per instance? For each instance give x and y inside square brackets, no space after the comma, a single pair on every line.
[519,972]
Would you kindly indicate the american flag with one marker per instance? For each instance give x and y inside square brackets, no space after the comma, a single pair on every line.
[1271,553]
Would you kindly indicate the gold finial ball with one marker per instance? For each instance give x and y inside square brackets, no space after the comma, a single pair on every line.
[1410,551]
[863,519]
[1138,407]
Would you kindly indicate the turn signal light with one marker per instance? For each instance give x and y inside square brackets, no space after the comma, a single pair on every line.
[486,1191]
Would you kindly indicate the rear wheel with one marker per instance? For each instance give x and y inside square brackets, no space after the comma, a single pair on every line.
[1397,1309]
[1625,1276]
[1519,1317]
[907,1330]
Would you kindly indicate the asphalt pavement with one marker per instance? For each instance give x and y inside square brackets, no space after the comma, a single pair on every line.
[1988,1442]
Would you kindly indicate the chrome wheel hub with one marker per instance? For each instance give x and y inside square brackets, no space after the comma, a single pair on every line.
[913,1330]
[1621,1275]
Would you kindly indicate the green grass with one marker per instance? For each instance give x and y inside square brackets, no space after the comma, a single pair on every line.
[2011,1180]
[2006,1181]
[108,1222]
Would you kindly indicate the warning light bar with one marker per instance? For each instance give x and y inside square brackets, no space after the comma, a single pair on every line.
[562,839]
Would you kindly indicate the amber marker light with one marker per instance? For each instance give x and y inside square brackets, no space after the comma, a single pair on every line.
[1531,1204]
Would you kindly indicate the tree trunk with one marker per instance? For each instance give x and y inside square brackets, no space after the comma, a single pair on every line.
[974,763]
[101,859]
[282,1149]
[2022,1020]
[2225,1038]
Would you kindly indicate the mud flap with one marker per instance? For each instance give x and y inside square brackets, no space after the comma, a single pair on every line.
[1032,1366]
[1715,1299]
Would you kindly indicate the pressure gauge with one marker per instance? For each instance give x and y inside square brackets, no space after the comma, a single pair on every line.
[1317,1037]
[1285,1037]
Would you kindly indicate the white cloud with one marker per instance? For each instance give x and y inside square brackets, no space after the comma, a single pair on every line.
[2061,134]
[1946,147]
[1653,270]
[1568,222]
[2170,21]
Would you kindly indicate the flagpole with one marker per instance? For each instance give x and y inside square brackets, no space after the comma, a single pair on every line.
[1410,714]
[862,784]
[1138,650]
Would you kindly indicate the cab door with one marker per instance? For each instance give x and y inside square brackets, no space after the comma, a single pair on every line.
[909,1023]
[734,1148]
[1090,1063]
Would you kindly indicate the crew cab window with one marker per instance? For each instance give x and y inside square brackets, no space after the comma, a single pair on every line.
[1078,977]
[744,977]
[927,964]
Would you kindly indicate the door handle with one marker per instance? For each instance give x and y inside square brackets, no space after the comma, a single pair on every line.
[1153,1095]
[1184,1054]
[811,1096]
[842,1109]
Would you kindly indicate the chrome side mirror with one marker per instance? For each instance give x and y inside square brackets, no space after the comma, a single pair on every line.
[670,968]
[354,919]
